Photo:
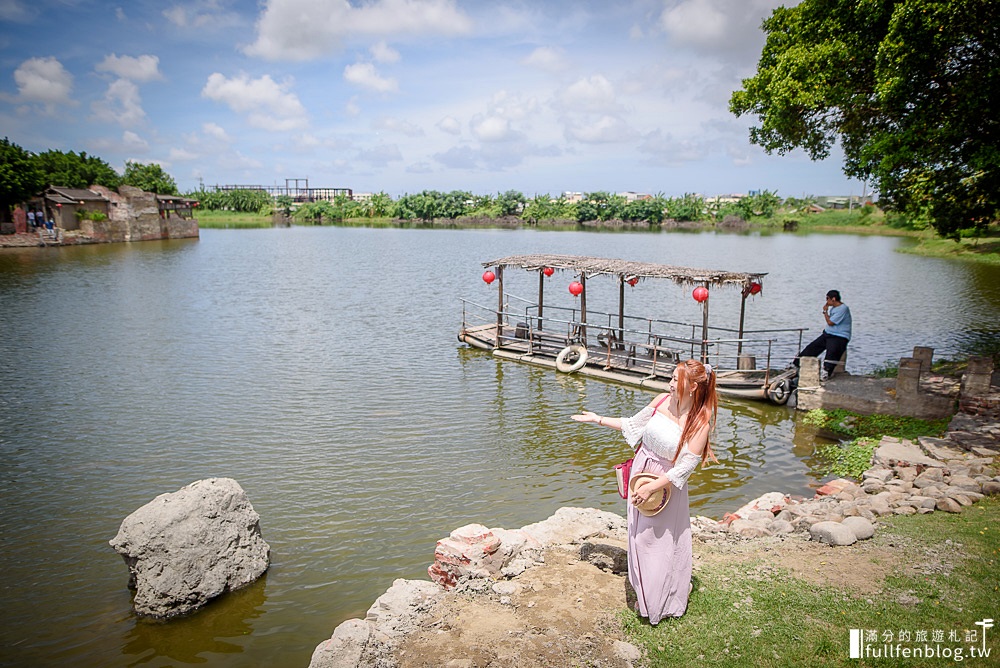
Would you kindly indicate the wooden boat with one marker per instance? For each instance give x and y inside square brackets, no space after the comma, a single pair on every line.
[633,350]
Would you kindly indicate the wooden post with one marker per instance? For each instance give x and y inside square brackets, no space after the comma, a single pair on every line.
[499,272]
[621,310]
[704,329]
[583,308]
[743,310]
[541,292]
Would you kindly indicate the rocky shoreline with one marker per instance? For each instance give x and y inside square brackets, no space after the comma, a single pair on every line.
[489,571]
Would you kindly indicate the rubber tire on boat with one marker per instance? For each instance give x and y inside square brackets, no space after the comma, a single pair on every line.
[576,349]
[779,392]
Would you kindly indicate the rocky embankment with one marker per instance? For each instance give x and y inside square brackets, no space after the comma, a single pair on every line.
[547,594]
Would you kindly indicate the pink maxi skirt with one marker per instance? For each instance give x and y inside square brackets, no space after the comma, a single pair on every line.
[659,548]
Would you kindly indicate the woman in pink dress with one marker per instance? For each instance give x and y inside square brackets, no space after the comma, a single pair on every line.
[672,433]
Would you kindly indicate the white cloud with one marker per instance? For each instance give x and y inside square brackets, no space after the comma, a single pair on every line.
[383,53]
[141,68]
[603,130]
[512,107]
[548,59]
[664,149]
[15,11]
[44,80]
[380,156]
[306,29]
[267,104]
[366,76]
[396,125]
[214,131]
[133,142]
[121,104]
[450,125]
[201,14]
[490,128]
[351,108]
[590,95]
[718,26]
[182,155]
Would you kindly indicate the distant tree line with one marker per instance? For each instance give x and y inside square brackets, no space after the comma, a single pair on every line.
[596,206]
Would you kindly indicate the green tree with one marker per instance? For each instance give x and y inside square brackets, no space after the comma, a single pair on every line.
[379,205]
[73,170]
[907,87]
[20,178]
[511,203]
[149,177]
[688,208]
[316,211]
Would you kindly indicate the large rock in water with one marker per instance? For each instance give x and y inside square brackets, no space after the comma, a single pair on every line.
[185,548]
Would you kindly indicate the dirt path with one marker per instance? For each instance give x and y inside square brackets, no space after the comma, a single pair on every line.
[564,612]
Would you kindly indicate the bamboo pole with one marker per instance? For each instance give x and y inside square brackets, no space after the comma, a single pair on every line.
[704,329]
[496,344]
[583,308]
[541,292]
[621,309]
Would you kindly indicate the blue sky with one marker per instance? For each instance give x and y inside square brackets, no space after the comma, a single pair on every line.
[402,95]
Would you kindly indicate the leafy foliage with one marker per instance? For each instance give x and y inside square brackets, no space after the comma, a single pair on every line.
[149,177]
[851,459]
[908,89]
[20,177]
[76,170]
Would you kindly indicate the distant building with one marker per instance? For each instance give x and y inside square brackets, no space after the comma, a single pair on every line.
[572,197]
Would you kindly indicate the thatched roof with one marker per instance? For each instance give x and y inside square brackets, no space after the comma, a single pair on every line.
[596,266]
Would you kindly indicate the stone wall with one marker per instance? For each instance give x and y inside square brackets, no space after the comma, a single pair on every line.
[133,215]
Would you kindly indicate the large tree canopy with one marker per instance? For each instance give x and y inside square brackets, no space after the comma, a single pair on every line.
[73,170]
[149,177]
[908,87]
[19,176]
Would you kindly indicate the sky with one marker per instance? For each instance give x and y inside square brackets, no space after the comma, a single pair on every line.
[402,95]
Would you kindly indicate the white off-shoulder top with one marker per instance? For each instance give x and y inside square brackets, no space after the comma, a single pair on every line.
[660,436]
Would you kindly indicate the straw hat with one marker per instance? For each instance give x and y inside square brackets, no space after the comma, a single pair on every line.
[656,502]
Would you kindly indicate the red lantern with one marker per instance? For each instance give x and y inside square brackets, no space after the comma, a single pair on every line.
[489,277]
[633,281]
[548,271]
[700,294]
[755,288]
[575,288]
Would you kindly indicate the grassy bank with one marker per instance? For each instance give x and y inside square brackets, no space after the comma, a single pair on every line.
[930,573]
[231,220]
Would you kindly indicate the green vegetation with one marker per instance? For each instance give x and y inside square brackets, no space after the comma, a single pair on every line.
[905,88]
[20,177]
[230,219]
[73,170]
[854,457]
[939,573]
[149,177]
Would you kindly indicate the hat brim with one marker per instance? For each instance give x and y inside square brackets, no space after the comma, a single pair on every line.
[655,503]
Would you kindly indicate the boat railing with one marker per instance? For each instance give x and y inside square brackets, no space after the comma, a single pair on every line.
[631,340]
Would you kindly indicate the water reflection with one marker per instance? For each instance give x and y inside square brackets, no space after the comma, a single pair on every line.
[221,627]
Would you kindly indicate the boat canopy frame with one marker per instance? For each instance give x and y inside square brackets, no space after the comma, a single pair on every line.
[628,271]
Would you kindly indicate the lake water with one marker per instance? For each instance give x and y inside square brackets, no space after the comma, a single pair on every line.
[319,367]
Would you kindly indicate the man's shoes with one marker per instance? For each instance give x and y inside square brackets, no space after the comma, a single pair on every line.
[824,376]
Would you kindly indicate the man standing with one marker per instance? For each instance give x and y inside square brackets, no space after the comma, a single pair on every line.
[835,335]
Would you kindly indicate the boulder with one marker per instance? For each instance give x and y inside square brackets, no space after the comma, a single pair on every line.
[948,505]
[185,548]
[344,648]
[862,528]
[832,533]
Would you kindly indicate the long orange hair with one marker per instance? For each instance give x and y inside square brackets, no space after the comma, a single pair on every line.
[704,403]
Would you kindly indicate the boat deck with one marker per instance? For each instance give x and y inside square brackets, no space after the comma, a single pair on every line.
[640,364]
